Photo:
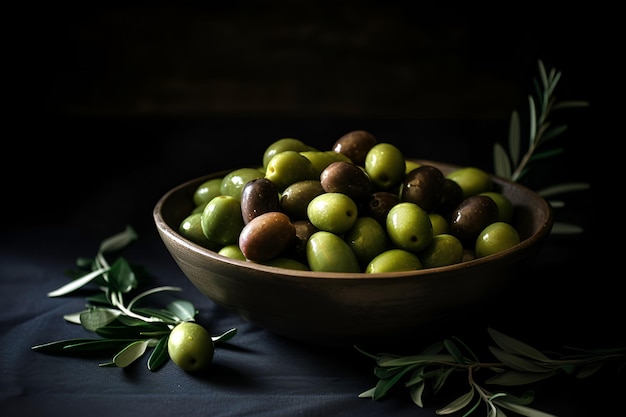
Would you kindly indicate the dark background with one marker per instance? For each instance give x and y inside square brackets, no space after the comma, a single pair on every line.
[110,105]
[117,103]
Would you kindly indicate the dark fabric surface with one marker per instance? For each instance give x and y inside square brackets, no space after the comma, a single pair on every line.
[257,373]
[82,194]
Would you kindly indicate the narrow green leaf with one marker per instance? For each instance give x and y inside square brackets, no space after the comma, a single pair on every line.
[161,314]
[94,318]
[77,283]
[384,385]
[436,347]
[512,345]
[98,299]
[560,228]
[381,372]
[130,353]
[415,359]
[441,379]
[455,352]
[570,104]
[227,335]
[553,132]
[515,139]
[183,309]
[545,154]
[159,355]
[510,378]
[542,74]
[533,121]
[416,392]
[121,276]
[144,294]
[589,369]
[457,404]
[520,363]
[416,377]
[563,188]
[363,352]
[145,325]
[526,398]
[115,331]
[119,240]
[73,317]
[59,345]
[368,393]
[501,163]
[97,345]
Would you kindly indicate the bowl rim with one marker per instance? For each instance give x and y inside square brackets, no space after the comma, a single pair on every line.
[544,230]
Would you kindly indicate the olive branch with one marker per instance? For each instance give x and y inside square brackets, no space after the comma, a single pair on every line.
[517,363]
[126,330]
[513,165]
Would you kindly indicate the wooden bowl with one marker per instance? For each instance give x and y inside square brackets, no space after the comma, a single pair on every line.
[329,308]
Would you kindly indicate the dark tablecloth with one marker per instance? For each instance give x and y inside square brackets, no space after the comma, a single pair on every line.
[84,190]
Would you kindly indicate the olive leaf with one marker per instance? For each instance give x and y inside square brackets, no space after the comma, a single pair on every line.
[118,241]
[94,318]
[159,355]
[130,353]
[511,345]
[458,404]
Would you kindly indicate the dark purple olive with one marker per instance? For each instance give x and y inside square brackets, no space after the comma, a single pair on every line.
[346,178]
[258,196]
[266,236]
[451,197]
[423,186]
[304,230]
[296,198]
[378,205]
[471,217]
[355,145]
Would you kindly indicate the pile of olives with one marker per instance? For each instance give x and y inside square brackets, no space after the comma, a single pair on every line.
[359,207]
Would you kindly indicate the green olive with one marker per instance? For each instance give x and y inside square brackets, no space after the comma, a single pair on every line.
[385,165]
[234,181]
[190,346]
[409,227]
[440,224]
[284,144]
[472,180]
[394,260]
[333,212]
[288,263]
[444,249]
[207,191]
[321,159]
[367,238]
[505,206]
[232,251]
[191,228]
[288,167]
[327,252]
[496,237]
[221,220]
